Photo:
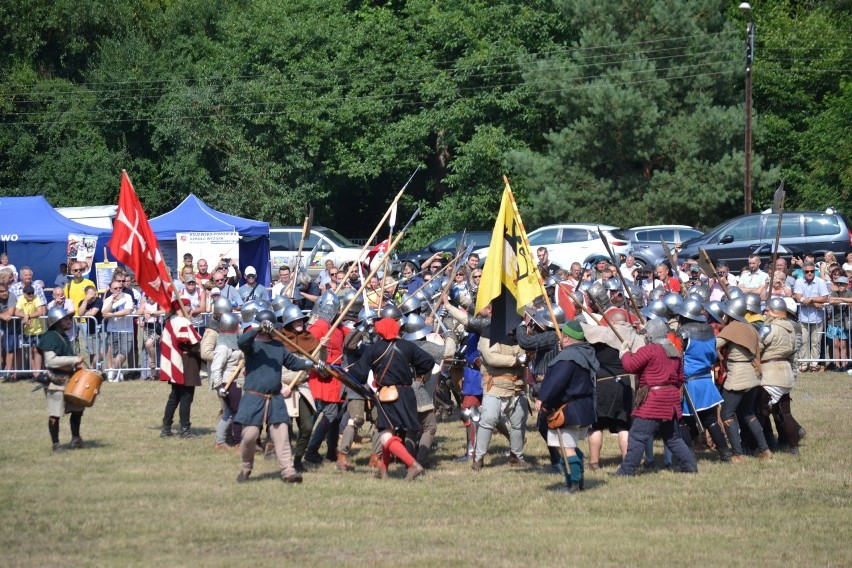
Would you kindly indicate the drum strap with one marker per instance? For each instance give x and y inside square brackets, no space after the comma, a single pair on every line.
[268,397]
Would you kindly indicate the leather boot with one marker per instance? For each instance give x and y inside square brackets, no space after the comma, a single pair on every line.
[186,433]
[76,443]
[166,431]
[477,464]
[374,461]
[343,464]
[765,455]
[415,470]
[719,440]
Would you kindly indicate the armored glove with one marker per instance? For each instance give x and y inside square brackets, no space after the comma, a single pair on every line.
[222,392]
[522,358]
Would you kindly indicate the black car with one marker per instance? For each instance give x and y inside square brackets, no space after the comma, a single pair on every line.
[447,244]
[802,232]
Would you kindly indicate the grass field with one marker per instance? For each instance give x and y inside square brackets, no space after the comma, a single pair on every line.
[133,499]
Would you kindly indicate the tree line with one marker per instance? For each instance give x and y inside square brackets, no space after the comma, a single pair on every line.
[617,112]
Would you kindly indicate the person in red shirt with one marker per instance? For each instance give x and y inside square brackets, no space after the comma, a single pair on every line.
[659,375]
[667,278]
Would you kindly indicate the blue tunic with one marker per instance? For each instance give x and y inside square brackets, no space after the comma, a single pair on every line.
[699,355]
[264,360]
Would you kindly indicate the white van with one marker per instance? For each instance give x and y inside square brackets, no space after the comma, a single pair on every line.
[284,247]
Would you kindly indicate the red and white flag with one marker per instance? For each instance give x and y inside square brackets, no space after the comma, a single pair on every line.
[133,244]
[178,335]
[377,252]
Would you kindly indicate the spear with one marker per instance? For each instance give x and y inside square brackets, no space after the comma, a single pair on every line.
[306,232]
[708,267]
[777,207]
[378,227]
[621,276]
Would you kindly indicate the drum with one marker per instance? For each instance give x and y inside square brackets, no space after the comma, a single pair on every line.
[83,387]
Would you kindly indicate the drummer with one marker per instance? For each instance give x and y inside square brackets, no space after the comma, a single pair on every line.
[60,361]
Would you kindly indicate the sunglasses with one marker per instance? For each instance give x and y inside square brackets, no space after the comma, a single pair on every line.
[251,276]
[808,271]
[218,280]
[77,270]
[436,267]
[477,275]
[332,273]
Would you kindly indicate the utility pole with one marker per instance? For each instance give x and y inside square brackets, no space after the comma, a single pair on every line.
[745,8]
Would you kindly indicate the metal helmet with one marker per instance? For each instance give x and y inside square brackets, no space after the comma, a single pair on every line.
[613,285]
[249,311]
[777,305]
[673,302]
[265,315]
[367,314]
[357,301]
[410,304]
[734,292]
[390,311]
[753,303]
[327,306]
[278,304]
[657,293]
[715,309]
[656,309]
[264,305]
[736,309]
[421,295]
[543,319]
[700,292]
[55,314]
[415,327]
[292,313]
[599,294]
[222,306]
[584,286]
[692,309]
[229,323]
[461,296]
[551,281]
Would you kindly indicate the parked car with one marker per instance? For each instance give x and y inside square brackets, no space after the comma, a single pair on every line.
[284,246]
[575,242]
[802,232]
[446,244]
[645,244]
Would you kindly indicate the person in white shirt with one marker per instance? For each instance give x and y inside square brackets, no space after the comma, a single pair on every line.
[627,267]
[753,279]
[723,272]
[118,315]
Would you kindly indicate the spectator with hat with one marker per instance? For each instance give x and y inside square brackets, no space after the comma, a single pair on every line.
[252,289]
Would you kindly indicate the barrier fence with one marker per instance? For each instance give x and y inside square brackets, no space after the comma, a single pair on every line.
[135,353]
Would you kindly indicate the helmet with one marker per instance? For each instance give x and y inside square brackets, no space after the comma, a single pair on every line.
[700,292]
[551,281]
[776,305]
[263,305]
[222,305]
[352,299]
[55,314]
[753,303]
[656,309]
[599,294]
[228,323]
[461,296]
[390,311]
[714,309]
[249,311]
[734,292]
[265,315]
[673,302]
[292,313]
[612,285]
[584,286]
[736,308]
[410,304]
[415,327]
[691,309]
[367,314]
[657,294]
[278,304]
[543,319]
[327,306]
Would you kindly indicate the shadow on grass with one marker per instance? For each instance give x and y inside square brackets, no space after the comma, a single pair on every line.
[589,484]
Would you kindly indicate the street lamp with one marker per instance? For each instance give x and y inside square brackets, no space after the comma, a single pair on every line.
[745,8]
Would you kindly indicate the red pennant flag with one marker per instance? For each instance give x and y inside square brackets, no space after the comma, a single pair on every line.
[133,243]
[380,250]
[564,301]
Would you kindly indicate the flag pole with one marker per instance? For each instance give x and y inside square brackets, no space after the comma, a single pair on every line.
[538,272]
[378,228]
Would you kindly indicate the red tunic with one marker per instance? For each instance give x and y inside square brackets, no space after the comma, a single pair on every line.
[654,368]
[327,389]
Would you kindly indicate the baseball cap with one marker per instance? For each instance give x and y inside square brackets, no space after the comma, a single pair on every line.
[250,270]
[189,278]
[215,290]
[841,280]
[28,289]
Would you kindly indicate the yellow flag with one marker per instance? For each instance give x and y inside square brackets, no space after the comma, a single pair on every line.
[510,268]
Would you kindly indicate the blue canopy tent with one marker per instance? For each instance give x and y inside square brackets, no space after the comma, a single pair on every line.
[36,235]
[193,215]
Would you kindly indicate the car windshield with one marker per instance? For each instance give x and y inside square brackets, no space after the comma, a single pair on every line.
[337,237]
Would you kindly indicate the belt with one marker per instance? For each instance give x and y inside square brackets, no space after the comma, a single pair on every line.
[268,397]
[490,379]
[613,377]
